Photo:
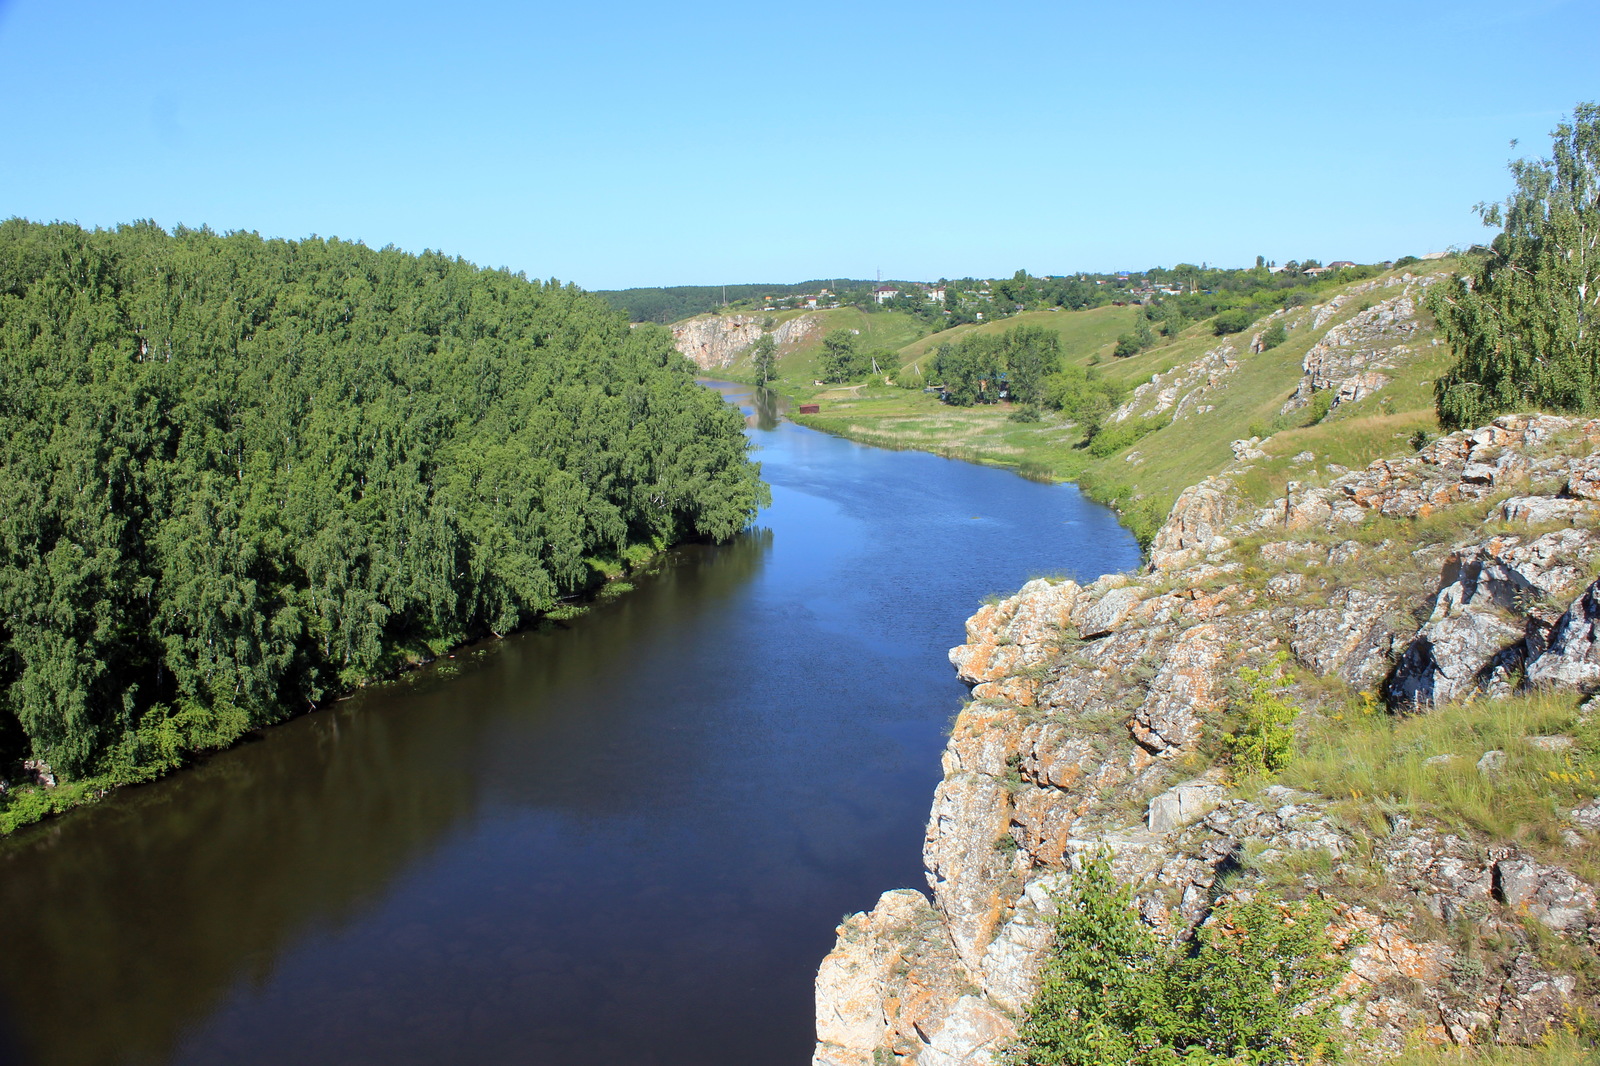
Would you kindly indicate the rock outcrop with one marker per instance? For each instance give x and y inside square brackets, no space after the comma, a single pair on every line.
[715,341]
[1092,704]
[1360,355]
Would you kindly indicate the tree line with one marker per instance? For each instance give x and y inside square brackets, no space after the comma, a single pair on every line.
[240,475]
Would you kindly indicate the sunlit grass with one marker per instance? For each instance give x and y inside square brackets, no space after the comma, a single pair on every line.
[1363,753]
[1561,1048]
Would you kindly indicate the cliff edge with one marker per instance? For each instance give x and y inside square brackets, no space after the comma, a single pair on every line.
[1433,619]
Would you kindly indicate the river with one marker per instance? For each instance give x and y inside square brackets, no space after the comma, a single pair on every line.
[623,839]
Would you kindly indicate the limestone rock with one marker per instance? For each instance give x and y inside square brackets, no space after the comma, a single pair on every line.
[1089,697]
[1194,528]
[1183,804]
[851,980]
[715,341]
[1106,613]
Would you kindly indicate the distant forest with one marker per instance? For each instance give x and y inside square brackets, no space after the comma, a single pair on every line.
[685,301]
[240,475]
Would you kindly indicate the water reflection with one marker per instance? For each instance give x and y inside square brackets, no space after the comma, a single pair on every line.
[623,840]
[765,408]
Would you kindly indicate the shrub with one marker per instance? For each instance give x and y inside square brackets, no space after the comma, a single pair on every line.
[1275,335]
[1254,987]
[1521,326]
[1233,321]
[1112,439]
[1263,741]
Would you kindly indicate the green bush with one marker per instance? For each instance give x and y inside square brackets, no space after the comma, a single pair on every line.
[1112,439]
[1263,741]
[1275,335]
[1233,321]
[1254,987]
[1521,326]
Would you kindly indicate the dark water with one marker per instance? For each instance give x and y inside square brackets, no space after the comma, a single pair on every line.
[623,841]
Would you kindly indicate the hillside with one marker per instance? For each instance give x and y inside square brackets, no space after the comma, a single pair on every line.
[1185,401]
[1355,678]
[1367,690]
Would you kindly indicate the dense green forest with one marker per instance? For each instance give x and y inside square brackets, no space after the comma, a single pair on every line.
[240,475]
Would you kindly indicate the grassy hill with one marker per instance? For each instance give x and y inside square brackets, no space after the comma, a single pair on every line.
[1242,393]
[1084,334]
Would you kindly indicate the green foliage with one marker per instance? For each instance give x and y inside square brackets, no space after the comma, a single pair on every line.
[978,367]
[1525,326]
[1030,354]
[241,474]
[1083,395]
[1274,335]
[1233,321]
[1112,439]
[1262,740]
[1135,340]
[841,360]
[1254,987]
[764,359]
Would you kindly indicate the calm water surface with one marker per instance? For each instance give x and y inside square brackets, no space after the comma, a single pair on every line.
[624,840]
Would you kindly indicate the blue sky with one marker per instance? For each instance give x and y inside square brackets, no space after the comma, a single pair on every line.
[619,144]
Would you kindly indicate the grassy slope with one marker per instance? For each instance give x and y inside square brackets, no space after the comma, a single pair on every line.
[1146,477]
[890,330]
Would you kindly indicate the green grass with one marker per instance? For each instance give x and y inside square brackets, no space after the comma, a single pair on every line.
[799,367]
[1084,334]
[1362,753]
[1143,477]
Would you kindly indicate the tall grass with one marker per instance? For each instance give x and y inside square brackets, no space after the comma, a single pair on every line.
[1364,753]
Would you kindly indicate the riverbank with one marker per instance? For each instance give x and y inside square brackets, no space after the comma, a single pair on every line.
[1190,406]
[711,768]
[25,803]
[1362,564]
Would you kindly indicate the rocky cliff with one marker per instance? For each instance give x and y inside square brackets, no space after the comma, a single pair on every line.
[1405,595]
[715,341]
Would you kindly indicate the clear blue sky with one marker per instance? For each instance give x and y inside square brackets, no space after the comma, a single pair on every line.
[619,144]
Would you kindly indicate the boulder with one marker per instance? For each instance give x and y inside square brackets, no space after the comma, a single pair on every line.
[1182,804]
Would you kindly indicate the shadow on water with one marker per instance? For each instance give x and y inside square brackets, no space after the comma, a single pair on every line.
[136,917]
[623,840]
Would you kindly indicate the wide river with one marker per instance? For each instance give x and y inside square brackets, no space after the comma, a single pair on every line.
[626,839]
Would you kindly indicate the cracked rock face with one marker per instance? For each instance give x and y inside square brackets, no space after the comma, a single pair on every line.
[1088,700]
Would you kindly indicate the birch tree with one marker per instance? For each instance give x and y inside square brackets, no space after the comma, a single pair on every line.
[1523,325]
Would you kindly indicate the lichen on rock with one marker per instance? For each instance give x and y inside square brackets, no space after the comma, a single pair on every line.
[1089,725]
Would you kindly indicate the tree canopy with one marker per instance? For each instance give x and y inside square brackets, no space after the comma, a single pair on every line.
[1523,325]
[241,474]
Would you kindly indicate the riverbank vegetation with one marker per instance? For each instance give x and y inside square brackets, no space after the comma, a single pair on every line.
[241,476]
[948,396]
